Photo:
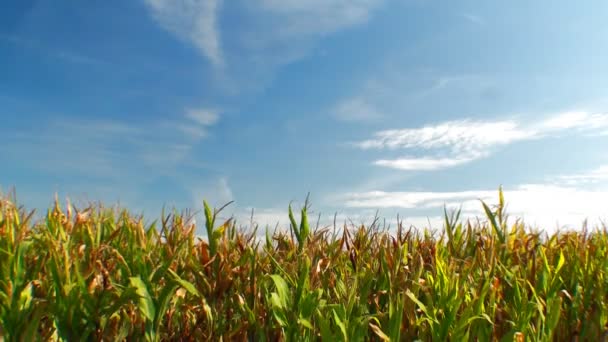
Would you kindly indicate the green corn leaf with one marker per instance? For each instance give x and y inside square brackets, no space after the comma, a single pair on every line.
[164,299]
[324,326]
[560,263]
[303,283]
[209,225]
[146,304]
[553,314]
[395,317]
[304,228]
[492,219]
[422,307]
[282,289]
[305,323]
[310,303]
[339,319]
[294,226]
[501,199]
[188,286]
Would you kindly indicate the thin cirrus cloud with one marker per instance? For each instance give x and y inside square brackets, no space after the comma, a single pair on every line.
[193,21]
[356,110]
[423,164]
[61,54]
[576,120]
[458,142]
[535,203]
[110,148]
[593,176]
[198,123]
[216,192]
[275,29]
[320,16]
[204,117]
[406,200]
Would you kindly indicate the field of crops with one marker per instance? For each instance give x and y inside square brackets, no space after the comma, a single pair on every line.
[102,274]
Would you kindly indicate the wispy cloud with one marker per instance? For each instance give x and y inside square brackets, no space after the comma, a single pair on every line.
[423,164]
[262,217]
[465,135]
[593,176]
[579,120]
[408,199]
[278,218]
[86,147]
[319,16]
[453,143]
[217,192]
[274,34]
[197,21]
[194,21]
[287,30]
[198,123]
[60,54]
[204,117]
[356,110]
[537,204]
[108,148]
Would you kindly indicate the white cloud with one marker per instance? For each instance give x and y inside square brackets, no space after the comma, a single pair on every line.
[356,109]
[109,149]
[272,33]
[282,31]
[87,147]
[459,136]
[538,204]
[319,16]
[204,117]
[278,217]
[64,55]
[406,200]
[195,21]
[224,190]
[576,120]
[263,217]
[192,131]
[422,164]
[159,154]
[217,193]
[464,141]
[565,120]
[590,177]
[197,123]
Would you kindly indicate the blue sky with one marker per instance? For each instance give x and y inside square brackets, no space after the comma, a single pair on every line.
[401,106]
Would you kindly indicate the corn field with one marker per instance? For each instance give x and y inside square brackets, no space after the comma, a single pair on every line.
[100,274]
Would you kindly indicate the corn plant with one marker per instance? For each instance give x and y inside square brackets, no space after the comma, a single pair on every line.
[99,274]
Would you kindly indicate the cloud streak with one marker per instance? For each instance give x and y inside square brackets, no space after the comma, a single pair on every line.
[356,110]
[271,35]
[64,55]
[453,143]
[423,164]
[537,204]
[408,199]
[110,148]
[198,122]
[459,136]
[194,21]
[590,177]
[318,17]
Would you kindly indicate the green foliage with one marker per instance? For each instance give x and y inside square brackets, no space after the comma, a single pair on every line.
[99,274]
